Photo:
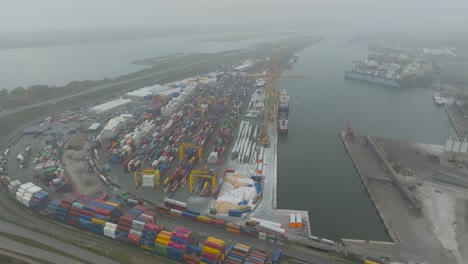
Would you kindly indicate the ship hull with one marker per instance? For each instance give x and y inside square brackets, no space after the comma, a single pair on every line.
[283,112]
[372,79]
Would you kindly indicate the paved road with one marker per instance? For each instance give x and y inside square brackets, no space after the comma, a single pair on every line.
[19,255]
[29,234]
[106,86]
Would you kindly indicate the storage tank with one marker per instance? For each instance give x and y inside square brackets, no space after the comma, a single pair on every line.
[273,228]
[298,220]
[292,220]
[266,222]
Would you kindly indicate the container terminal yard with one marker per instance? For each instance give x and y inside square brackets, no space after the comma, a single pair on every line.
[186,172]
[140,168]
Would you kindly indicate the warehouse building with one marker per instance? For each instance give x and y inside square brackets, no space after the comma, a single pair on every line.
[94,127]
[146,91]
[111,105]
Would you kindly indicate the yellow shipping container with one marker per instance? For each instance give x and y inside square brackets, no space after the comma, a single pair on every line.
[162,242]
[166,233]
[211,250]
[233,226]
[98,221]
[146,248]
[243,246]
[203,218]
[370,262]
[232,230]
[164,238]
[113,204]
[217,241]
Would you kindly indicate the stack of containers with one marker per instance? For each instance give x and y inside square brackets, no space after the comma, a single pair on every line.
[162,242]
[237,254]
[148,236]
[22,190]
[213,251]
[110,230]
[255,257]
[124,225]
[29,194]
[233,228]
[52,207]
[134,236]
[180,239]
[39,201]
[76,209]
[149,215]
[14,186]
[64,207]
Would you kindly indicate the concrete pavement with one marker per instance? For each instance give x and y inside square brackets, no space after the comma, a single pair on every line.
[414,237]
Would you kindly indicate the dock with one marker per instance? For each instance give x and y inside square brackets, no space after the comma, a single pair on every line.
[410,230]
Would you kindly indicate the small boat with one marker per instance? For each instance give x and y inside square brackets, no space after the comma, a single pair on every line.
[438,100]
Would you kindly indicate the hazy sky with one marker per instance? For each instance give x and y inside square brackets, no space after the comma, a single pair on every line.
[35,15]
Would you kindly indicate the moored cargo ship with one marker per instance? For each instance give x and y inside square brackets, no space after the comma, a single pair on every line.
[283,111]
[395,70]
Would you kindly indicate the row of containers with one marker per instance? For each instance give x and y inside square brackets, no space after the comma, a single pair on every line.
[266,230]
[138,227]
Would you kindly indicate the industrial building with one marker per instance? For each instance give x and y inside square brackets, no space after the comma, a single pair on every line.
[93,127]
[244,67]
[146,91]
[111,105]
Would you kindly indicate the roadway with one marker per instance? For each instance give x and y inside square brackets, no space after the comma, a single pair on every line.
[32,251]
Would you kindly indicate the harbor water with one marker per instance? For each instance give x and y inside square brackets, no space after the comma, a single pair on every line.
[314,171]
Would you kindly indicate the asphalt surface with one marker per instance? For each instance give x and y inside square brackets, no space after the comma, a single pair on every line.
[20,256]
[43,254]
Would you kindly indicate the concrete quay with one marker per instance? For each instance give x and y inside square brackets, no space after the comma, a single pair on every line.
[413,236]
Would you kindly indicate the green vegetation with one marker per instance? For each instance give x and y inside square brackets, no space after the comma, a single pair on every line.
[33,243]
[23,96]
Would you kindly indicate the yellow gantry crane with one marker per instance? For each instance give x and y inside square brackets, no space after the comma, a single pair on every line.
[185,146]
[271,101]
[209,175]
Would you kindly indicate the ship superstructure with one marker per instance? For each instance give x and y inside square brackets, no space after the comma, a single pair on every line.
[283,111]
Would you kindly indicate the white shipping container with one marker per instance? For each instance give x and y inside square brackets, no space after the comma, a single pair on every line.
[110,225]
